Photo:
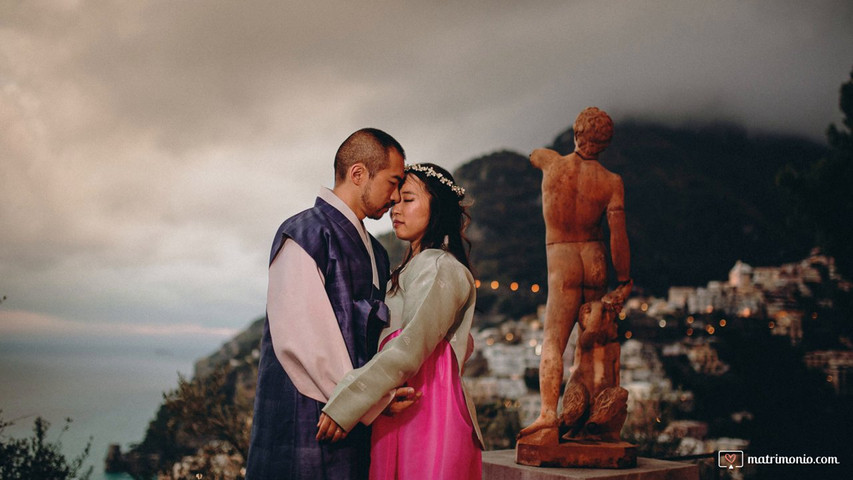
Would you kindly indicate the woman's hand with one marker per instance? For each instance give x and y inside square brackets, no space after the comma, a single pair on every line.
[327,429]
[404,397]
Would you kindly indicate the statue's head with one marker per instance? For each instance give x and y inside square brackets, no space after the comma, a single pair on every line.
[593,130]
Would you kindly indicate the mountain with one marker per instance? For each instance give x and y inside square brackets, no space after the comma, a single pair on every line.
[697,200]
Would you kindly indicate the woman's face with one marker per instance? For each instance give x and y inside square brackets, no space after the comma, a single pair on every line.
[410,217]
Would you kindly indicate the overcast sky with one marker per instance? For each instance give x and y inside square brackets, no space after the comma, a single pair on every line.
[150,149]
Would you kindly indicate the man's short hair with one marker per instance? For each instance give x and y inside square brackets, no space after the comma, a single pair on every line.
[369,146]
[593,130]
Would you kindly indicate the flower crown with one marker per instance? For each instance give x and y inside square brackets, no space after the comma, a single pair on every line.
[430,172]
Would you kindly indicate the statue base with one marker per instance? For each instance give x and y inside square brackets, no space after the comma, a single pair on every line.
[500,465]
[577,453]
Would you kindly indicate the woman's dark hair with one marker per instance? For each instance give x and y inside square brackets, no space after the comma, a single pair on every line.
[448,219]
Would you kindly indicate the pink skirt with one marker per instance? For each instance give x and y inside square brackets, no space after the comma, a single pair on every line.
[434,438]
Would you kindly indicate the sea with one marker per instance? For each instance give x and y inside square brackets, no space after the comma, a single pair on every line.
[109,390]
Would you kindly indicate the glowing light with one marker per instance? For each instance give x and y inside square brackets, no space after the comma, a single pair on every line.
[644,307]
[538,350]
[490,341]
[477,283]
[710,329]
[689,332]
[532,342]
[829,378]
[534,288]
[662,323]
[622,316]
[509,336]
[513,286]
[495,284]
[628,334]
[709,308]
[690,319]
[723,322]
[772,324]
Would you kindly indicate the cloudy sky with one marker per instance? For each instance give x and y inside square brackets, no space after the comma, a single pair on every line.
[149,149]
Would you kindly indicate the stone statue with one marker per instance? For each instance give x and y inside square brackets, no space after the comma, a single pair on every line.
[577,192]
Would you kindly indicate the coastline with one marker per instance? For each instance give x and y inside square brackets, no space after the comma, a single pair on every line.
[111,391]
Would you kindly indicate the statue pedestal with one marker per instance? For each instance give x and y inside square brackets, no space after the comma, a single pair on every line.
[500,465]
[577,453]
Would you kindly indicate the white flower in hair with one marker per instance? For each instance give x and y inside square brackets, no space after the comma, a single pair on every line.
[430,172]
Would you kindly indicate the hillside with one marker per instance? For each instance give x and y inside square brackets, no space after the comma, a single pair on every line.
[697,200]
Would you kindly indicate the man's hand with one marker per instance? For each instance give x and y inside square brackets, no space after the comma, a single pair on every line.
[404,397]
[327,429]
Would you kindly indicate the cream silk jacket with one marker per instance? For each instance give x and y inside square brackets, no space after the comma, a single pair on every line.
[435,301]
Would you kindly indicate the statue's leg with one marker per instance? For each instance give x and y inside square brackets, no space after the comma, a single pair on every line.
[565,280]
[594,259]
[608,413]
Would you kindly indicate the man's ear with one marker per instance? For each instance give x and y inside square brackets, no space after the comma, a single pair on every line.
[358,173]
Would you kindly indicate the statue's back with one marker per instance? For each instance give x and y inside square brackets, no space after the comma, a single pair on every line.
[575,195]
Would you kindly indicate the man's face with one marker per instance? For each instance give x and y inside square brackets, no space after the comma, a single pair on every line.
[381,191]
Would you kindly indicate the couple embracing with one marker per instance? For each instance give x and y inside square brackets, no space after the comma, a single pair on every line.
[360,368]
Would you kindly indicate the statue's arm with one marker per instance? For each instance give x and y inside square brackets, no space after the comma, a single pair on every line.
[539,157]
[619,248]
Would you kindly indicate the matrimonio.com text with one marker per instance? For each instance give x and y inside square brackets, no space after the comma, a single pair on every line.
[732,459]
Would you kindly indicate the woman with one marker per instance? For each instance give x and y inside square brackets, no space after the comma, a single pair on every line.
[431,302]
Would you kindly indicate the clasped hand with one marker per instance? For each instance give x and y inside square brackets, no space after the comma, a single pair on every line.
[328,429]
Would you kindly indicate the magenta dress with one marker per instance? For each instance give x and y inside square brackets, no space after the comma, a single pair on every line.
[433,439]
[424,346]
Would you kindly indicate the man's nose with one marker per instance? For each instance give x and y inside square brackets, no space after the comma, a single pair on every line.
[395,196]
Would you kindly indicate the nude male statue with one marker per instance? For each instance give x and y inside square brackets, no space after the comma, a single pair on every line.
[576,193]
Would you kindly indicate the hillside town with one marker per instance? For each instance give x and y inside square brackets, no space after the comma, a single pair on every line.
[667,345]
[685,327]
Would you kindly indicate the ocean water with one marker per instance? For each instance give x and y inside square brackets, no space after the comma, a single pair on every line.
[110,391]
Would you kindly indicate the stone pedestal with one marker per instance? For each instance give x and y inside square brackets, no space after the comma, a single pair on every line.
[500,465]
[579,453]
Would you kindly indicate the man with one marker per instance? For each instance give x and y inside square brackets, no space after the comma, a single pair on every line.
[325,309]
[576,193]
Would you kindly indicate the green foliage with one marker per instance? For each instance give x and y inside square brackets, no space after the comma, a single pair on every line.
[205,409]
[37,457]
[215,409]
[821,192]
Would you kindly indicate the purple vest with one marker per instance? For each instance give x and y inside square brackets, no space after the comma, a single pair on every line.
[285,421]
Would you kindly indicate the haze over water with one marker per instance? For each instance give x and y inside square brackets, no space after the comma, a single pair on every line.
[110,391]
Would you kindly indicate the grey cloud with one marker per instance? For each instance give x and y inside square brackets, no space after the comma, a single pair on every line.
[149,149]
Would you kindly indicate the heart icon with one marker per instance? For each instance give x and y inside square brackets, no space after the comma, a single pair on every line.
[730,457]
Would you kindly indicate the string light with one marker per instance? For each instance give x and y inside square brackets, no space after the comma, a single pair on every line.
[513,286]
